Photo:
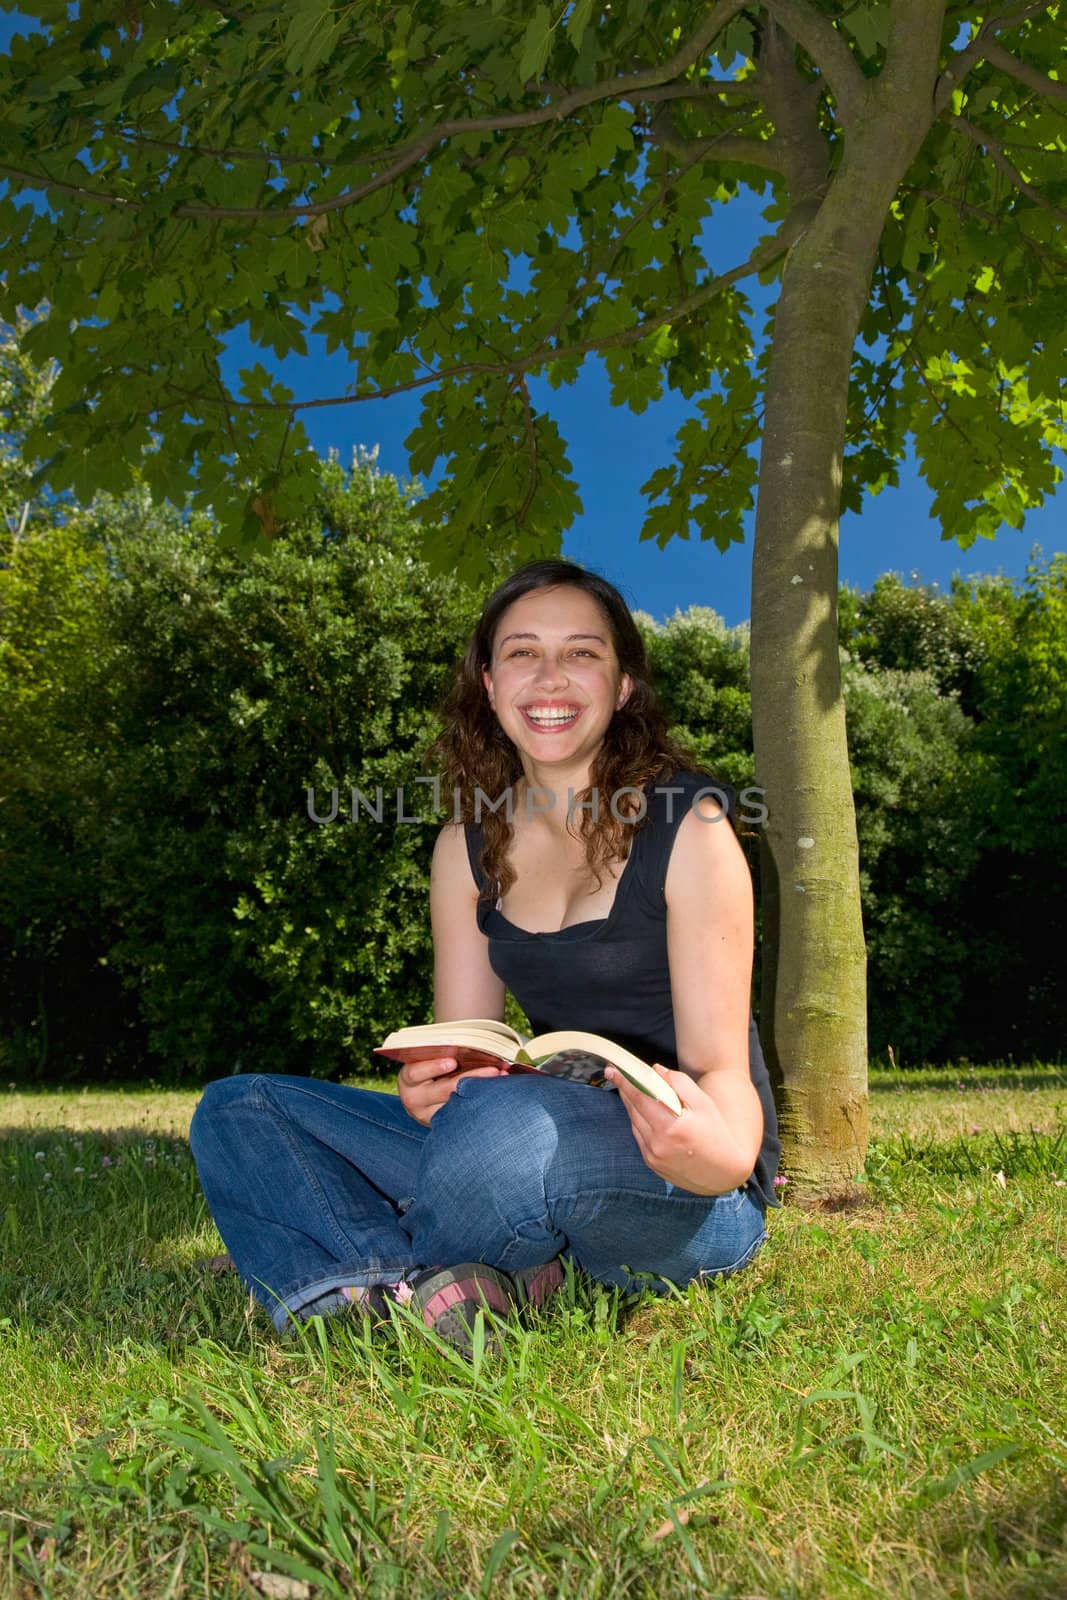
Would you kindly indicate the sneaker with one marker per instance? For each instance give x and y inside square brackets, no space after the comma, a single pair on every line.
[450,1299]
[535,1285]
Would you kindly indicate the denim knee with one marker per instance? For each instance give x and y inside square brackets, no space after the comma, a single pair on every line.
[489,1142]
[481,1189]
[220,1096]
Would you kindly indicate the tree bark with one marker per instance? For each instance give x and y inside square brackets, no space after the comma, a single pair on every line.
[813,1012]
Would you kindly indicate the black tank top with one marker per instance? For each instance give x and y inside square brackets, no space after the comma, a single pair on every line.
[610,976]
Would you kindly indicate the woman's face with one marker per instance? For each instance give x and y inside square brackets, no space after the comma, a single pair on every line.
[554,679]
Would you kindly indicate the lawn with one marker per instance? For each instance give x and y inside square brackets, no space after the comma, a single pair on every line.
[876,1407]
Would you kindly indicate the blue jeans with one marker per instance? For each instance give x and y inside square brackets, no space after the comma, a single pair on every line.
[314,1186]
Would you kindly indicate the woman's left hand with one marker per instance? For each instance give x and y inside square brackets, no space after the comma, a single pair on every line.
[694,1151]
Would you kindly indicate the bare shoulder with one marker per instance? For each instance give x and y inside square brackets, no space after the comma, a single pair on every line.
[451,863]
[465,984]
[709,940]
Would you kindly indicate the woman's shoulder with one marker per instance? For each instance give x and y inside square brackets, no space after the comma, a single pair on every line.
[467,846]
[450,840]
[454,861]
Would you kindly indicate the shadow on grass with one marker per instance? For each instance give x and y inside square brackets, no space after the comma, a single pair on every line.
[946,1080]
[1023,1537]
[101,1235]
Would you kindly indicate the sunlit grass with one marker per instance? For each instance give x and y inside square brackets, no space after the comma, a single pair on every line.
[874,1407]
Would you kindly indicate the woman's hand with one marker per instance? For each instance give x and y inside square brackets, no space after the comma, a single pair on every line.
[425,1085]
[698,1150]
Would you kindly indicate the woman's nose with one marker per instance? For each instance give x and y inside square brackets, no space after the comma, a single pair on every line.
[551,670]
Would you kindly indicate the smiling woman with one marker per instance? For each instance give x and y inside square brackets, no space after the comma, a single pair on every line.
[605,887]
[554,683]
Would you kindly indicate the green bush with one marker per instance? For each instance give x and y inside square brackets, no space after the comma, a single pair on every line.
[910,748]
[957,704]
[244,933]
[701,672]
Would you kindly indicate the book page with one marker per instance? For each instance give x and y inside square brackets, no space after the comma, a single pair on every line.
[591,1047]
[476,1029]
[442,1042]
[488,1024]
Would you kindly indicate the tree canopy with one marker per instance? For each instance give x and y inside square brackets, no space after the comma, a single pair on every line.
[461,198]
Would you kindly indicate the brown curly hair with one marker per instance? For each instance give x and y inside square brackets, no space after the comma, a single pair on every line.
[475,752]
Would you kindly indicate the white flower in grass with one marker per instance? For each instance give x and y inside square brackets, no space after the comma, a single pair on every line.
[38,1155]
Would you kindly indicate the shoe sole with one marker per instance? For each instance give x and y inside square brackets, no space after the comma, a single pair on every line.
[536,1285]
[450,1299]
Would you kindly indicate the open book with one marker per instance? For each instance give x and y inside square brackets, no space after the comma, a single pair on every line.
[480,1042]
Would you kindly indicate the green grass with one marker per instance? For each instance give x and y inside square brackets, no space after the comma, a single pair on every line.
[876,1407]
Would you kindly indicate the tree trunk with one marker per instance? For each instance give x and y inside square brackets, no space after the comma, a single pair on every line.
[813,1012]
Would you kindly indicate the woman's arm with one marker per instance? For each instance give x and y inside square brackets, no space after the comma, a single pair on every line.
[713,1146]
[464,984]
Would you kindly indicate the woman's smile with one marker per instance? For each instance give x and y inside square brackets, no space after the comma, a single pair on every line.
[550,719]
[554,669]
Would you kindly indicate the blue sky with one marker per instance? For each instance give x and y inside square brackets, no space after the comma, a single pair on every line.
[613,452]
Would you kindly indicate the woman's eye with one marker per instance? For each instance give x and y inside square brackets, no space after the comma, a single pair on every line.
[522,651]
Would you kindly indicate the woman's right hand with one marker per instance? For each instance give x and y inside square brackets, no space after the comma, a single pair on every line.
[425,1085]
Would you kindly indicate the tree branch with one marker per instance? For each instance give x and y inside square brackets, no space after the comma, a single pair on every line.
[962,62]
[1048,88]
[727,146]
[996,153]
[1056,264]
[621,88]
[601,267]
[792,103]
[39,180]
[829,50]
[702,89]
[531,450]
[144,140]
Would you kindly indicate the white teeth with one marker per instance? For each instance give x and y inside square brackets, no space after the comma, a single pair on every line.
[551,718]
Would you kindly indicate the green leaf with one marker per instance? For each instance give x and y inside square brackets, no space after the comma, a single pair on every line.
[312,32]
[869,25]
[536,44]
[613,133]
[159,80]
[162,293]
